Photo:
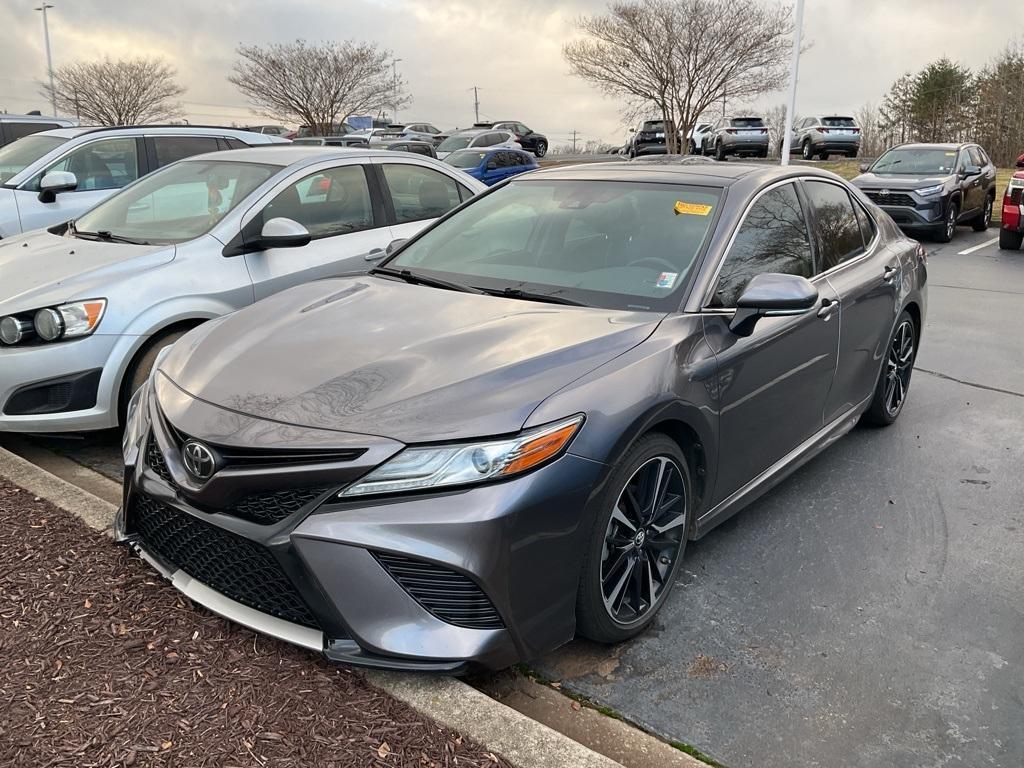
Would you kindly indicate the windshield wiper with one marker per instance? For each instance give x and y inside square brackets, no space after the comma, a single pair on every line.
[519,293]
[106,236]
[417,279]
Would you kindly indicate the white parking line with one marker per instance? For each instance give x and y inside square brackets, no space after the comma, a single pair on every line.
[979,247]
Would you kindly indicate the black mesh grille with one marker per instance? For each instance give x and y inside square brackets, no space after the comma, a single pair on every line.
[274,506]
[232,565]
[447,594]
[893,198]
[155,460]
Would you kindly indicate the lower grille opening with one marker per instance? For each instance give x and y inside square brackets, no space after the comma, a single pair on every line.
[449,595]
[230,564]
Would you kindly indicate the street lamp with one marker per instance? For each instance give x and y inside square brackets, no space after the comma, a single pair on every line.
[794,69]
[49,61]
[394,90]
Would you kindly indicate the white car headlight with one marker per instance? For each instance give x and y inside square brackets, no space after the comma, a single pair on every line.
[446,465]
[929,191]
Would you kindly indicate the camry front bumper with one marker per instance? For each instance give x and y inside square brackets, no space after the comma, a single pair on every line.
[434,581]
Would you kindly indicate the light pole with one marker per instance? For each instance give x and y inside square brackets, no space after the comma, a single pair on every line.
[394,90]
[794,69]
[49,61]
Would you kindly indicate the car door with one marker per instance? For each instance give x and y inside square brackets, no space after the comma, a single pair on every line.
[415,195]
[865,275]
[970,186]
[102,167]
[336,205]
[772,386]
[986,179]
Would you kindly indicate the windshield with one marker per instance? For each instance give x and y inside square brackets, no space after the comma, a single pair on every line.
[619,245]
[18,155]
[454,142]
[917,162]
[465,159]
[175,204]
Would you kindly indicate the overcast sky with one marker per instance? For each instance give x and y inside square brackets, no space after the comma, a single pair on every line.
[511,51]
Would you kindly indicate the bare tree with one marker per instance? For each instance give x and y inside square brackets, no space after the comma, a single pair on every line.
[775,119]
[869,119]
[121,92]
[318,85]
[682,56]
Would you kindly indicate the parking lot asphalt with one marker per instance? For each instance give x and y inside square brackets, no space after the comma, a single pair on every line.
[868,610]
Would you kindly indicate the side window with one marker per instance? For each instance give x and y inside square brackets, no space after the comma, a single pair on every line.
[331,202]
[838,231]
[432,129]
[420,149]
[419,193]
[772,238]
[867,226]
[15,131]
[976,158]
[963,160]
[171,148]
[103,164]
[235,143]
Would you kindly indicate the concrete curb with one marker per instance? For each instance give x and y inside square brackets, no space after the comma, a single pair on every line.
[523,742]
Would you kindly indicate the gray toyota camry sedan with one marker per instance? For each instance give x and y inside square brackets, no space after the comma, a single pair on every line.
[506,433]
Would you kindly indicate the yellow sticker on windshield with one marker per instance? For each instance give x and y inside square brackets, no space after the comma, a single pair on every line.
[694,209]
[951,154]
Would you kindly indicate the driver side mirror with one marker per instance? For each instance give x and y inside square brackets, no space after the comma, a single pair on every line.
[864,167]
[772,295]
[283,233]
[970,170]
[492,166]
[54,182]
[394,245]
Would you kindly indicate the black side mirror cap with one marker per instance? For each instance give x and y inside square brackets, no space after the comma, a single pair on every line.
[772,295]
[971,170]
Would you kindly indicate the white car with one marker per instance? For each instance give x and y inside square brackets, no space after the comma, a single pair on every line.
[52,176]
[86,307]
[476,138]
[696,137]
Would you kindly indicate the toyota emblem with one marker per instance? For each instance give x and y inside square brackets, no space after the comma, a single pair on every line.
[198,460]
[884,193]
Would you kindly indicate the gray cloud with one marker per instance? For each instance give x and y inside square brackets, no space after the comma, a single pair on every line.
[513,55]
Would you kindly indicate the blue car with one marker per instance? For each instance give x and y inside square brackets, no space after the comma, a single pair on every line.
[492,165]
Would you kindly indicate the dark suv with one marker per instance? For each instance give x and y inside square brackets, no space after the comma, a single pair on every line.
[649,139]
[528,138]
[933,187]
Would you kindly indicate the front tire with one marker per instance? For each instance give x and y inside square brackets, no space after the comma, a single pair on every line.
[1010,241]
[719,151]
[981,223]
[541,149]
[945,231]
[637,542]
[140,368]
[806,152]
[894,378]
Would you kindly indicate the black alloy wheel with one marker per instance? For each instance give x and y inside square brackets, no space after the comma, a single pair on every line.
[637,542]
[981,223]
[719,150]
[541,149]
[894,381]
[945,231]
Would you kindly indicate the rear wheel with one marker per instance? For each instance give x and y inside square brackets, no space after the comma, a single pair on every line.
[824,156]
[140,368]
[719,151]
[637,541]
[945,231]
[541,149]
[1009,240]
[981,223]
[894,380]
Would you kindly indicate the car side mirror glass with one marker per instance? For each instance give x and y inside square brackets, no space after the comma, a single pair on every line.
[283,233]
[54,182]
[772,295]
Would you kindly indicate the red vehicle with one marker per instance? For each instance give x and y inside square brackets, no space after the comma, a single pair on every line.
[1011,233]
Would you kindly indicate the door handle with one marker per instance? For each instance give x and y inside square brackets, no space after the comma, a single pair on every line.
[827,308]
[889,273]
[374,254]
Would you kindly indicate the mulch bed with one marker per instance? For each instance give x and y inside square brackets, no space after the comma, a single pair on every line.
[102,663]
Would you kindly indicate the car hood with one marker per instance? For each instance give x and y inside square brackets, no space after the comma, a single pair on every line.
[900,181]
[42,269]
[413,363]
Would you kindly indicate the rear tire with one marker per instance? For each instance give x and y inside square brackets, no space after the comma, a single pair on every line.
[624,546]
[894,378]
[981,223]
[805,150]
[824,156]
[1010,241]
[140,368]
[719,151]
[945,231]
[541,150]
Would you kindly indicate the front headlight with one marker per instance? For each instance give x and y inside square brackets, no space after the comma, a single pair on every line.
[446,465]
[136,423]
[929,191]
[68,321]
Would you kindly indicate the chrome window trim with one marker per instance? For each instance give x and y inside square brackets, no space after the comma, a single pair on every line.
[867,249]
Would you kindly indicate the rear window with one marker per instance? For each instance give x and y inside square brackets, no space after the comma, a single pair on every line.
[838,122]
[746,122]
[654,125]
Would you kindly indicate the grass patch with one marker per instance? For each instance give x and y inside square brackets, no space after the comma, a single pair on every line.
[695,753]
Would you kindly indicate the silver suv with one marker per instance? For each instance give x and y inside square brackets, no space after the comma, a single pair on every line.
[823,136]
[14,127]
[741,136]
[53,176]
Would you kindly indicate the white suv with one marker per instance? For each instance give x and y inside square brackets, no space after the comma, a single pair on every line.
[53,176]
